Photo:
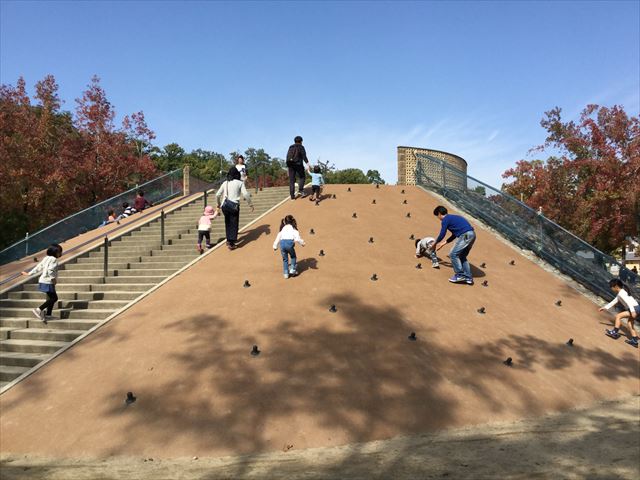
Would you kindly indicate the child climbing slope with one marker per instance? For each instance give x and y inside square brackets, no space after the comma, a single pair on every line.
[286,239]
[630,313]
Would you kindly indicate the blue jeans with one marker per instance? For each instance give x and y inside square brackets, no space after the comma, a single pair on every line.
[459,255]
[287,249]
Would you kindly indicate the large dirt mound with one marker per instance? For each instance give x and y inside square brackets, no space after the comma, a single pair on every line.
[323,379]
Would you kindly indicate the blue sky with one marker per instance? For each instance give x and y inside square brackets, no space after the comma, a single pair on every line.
[355,79]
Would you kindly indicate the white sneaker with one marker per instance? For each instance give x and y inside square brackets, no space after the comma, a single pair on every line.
[286,275]
[39,314]
[435,265]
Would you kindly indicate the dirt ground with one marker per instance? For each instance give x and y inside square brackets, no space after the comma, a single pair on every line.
[602,442]
[324,379]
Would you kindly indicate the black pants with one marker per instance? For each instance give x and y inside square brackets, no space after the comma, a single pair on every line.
[231,222]
[297,171]
[204,234]
[52,298]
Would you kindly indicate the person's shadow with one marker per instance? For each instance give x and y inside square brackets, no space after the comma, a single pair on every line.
[476,272]
[249,236]
[307,264]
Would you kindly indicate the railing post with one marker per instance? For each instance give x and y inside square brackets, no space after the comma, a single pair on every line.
[204,195]
[106,257]
[26,244]
[162,227]
[185,181]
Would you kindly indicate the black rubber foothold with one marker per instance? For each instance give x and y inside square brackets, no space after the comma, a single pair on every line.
[408,214]
[312,232]
[349,189]
[402,191]
[334,196]
[246,284]
[412,237]
[130,398]
[321,253]
[559,303]
[419,266]
[317,203]
[370,239]
[412,336]
[333,309]
[508,362]
[254,351]
[485,283]
[570,342]
[483,265]
[374,277]
[404,202]
[512,262]
[355,215]
[482,310]
[35,259]
[377,185]
[373,201]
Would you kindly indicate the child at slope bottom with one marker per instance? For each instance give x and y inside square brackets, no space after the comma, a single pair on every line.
[204,227]
[427,247]
[631,312]
[287,237]
[48,269]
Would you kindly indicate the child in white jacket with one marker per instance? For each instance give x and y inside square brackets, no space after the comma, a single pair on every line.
[630,313]
[48,269]
[287,238]
[427,247]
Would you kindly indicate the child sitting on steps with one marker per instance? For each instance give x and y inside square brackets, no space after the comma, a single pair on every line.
[631,312]
[287,237]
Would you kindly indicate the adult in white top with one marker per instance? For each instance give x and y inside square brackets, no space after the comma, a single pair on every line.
[630,314]
[228,198]
[242,168]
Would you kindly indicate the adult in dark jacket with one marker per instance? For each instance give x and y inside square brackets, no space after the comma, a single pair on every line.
[295,158]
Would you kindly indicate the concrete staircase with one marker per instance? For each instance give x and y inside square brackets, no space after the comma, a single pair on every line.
[137,262]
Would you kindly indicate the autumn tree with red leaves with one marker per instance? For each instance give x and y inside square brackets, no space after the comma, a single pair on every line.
[54,164]
[591,186]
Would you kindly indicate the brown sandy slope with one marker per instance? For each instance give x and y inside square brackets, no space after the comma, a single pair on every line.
[323,379]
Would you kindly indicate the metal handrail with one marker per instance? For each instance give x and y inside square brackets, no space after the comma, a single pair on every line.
[133,227]
[579,271]
[97,205]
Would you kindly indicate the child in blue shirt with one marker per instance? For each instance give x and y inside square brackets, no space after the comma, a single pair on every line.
[316,182]
[461,230]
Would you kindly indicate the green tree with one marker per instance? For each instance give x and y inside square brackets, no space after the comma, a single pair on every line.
[374,177]
[348,175]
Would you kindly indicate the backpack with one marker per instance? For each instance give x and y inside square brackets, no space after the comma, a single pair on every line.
[294,156]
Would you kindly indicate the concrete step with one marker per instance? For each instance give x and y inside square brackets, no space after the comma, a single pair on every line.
[65,324]
[95,304]
[39,296]
[60,288]
[5,331]
[11,372]
[59,313]
[21,359]
[120,296]
[31,346]
[130,279]
[14,322]
[145,272]
[49,334]
[77,279]
[138,287]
